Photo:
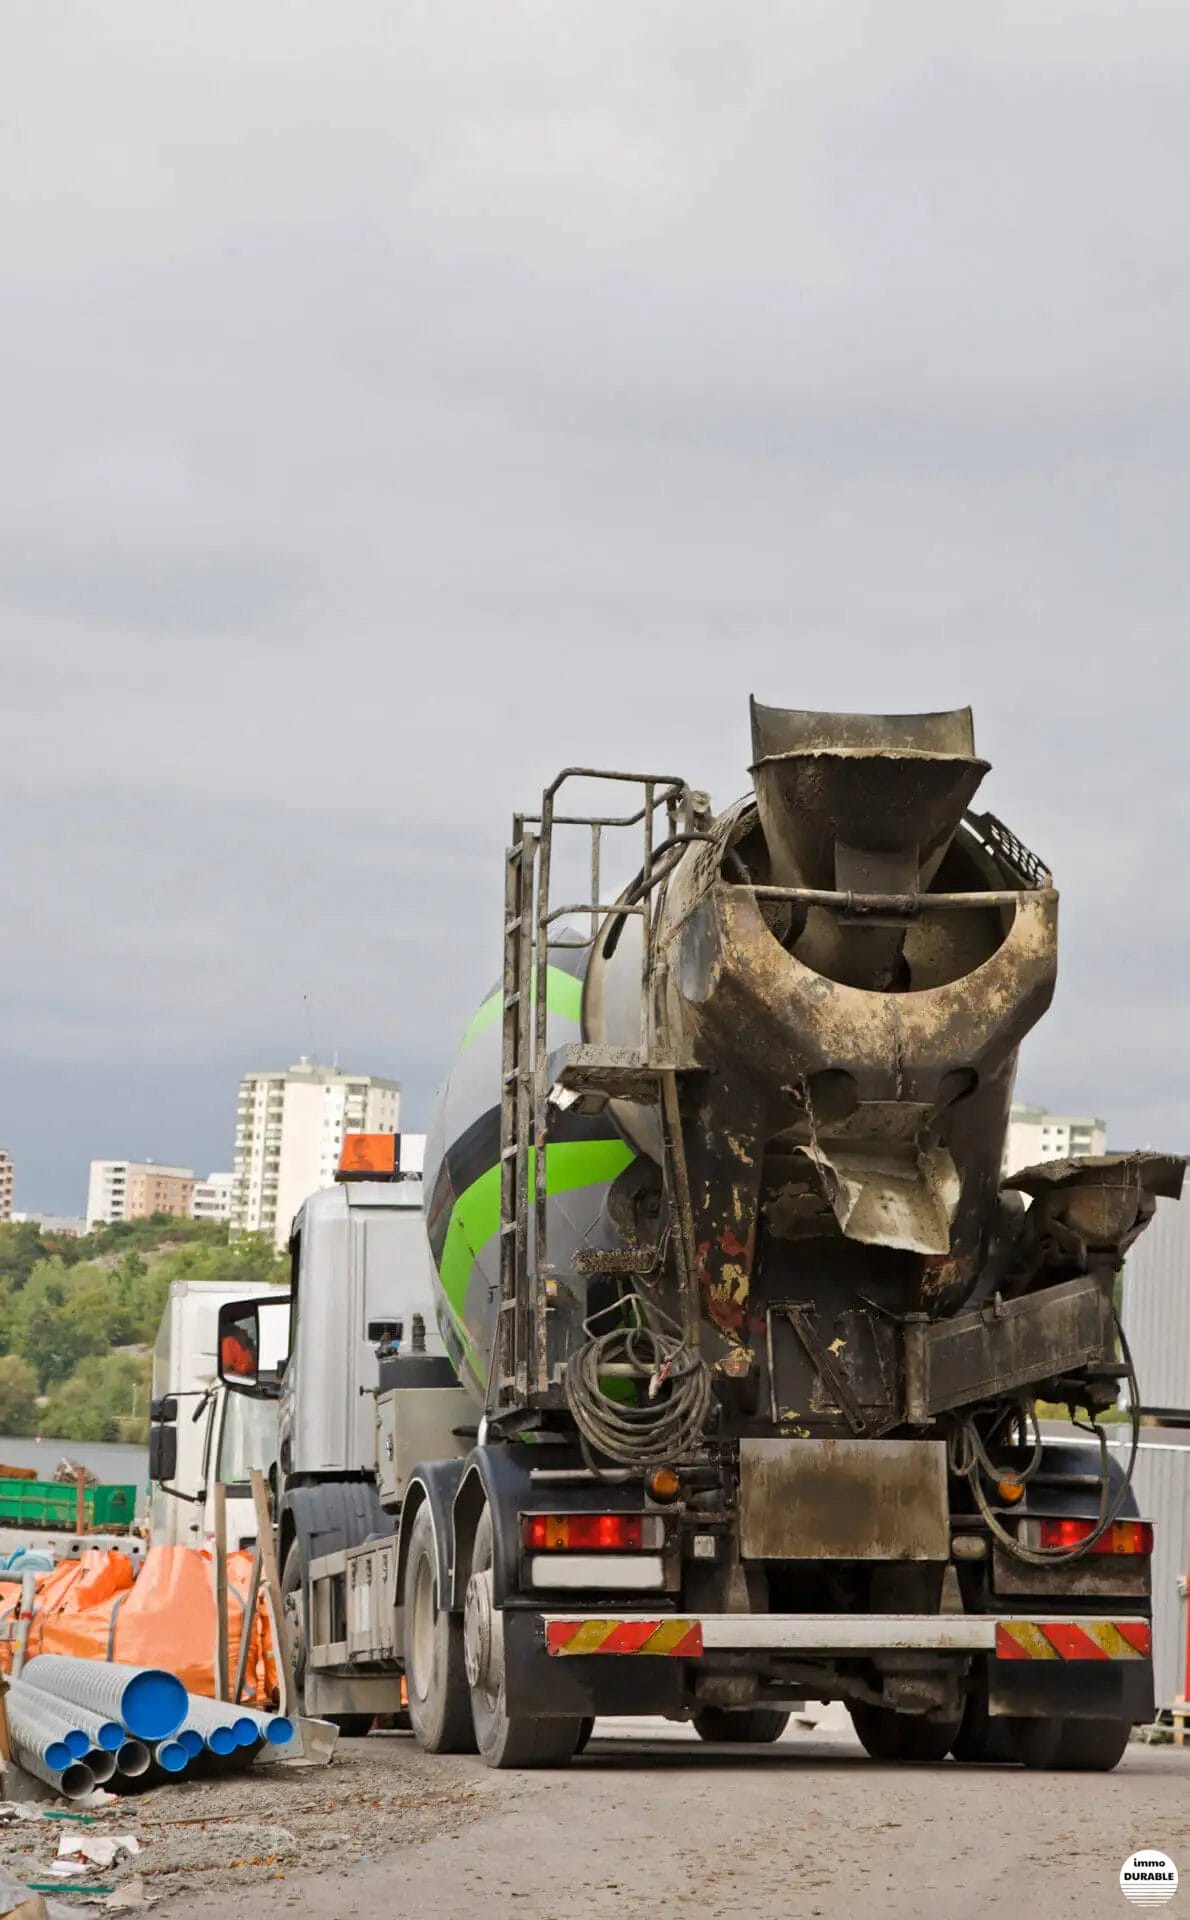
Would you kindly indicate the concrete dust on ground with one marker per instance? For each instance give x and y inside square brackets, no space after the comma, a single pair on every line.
[649,1822]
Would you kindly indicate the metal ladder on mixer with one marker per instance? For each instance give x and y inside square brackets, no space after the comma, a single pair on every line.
[531,1078]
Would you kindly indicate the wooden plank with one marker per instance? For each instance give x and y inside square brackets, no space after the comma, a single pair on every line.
[272,1592]
[246,1625]
[219,1554]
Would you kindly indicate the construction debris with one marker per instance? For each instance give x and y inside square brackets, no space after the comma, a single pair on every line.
[78,1851]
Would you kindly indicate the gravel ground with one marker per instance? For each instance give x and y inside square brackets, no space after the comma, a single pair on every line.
[253,1829]
[649,1822]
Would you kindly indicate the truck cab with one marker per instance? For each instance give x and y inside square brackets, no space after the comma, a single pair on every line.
[360,1308]
[201,1434]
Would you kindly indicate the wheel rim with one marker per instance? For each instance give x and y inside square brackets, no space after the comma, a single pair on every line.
[420,1665]
[487,1650]
[295,1620]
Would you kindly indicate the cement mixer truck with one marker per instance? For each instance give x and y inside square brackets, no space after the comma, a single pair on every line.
[751,1327]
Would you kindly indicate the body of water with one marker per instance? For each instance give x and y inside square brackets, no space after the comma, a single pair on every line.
[113,1465]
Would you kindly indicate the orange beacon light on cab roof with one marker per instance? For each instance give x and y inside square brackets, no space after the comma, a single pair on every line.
[369,1156]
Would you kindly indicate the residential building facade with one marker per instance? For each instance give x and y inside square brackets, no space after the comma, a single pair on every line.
[5,1185]
[211,1199]
[134,1189]
[289,1131]
[1035,1134]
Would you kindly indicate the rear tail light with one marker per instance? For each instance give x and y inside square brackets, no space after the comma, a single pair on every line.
[1123,1536]
[592,1532]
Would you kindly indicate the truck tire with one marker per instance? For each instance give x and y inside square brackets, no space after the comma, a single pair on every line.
[1035,1742]
[982,1739]
[435,1678]
[1093,1746]
[353,1726]
[739,1726]
[906,1737]
[505,1741]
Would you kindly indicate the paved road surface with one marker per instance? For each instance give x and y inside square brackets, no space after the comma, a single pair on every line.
[651,1823]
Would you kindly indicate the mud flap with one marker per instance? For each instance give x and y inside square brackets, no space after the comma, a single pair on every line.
[1073,1689]
[540,1687]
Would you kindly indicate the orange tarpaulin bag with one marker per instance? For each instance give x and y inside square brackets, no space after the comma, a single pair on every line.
[95,1609]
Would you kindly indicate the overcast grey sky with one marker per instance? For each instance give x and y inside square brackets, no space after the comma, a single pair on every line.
[402,399]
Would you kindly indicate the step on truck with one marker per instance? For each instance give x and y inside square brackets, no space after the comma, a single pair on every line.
[748,1321]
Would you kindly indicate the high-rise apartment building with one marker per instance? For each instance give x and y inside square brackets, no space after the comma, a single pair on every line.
[134,1189]
[1035,1134]
[289,1130]
[5,1185]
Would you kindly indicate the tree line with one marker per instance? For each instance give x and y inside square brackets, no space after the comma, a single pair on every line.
[78,1317]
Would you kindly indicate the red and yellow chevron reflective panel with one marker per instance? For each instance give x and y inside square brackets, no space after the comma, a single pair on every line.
[678,1637]
[1073,1640]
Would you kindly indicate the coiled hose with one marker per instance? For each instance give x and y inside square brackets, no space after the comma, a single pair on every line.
[969,1458]
[652,1348]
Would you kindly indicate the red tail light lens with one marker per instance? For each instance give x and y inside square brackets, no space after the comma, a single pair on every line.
[584,1532]
[1123,1536]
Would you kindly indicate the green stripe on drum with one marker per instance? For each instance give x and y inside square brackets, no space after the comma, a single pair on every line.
[563,997]
[475,1217]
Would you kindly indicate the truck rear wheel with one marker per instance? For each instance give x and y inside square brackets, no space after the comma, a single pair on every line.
[752,1726]
[1093,1746]
[907,1737]
[435,1678]
[504,1740]
[982,1739]
[353,1726]
[1076,1746]
[1035,1742]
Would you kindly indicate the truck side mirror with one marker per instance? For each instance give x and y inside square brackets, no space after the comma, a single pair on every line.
[240,1365]
[163,1453]
[239,1345]
[164,1410]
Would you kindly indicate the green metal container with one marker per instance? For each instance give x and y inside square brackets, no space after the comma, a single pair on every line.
[111,1507]
[54,1503]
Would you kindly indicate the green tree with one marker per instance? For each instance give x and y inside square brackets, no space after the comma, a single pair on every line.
[106,1398]
[72,1317]
[21,1247]
[18,1395]
[61,1315]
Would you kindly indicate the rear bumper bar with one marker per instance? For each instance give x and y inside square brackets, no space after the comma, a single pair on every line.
[693,1636]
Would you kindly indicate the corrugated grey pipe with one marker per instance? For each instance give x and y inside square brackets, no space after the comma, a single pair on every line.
[40,1750]
[133,1760]
[94,1729]
[168,1758]
[246,1724]
[101,1763]
[148,1701]
[52,1717]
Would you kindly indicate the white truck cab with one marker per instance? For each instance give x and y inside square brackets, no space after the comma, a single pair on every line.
[201,1433]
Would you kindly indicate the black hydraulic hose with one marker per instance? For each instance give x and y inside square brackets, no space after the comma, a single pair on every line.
[650,1348]
[968,1456]
[645,882]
